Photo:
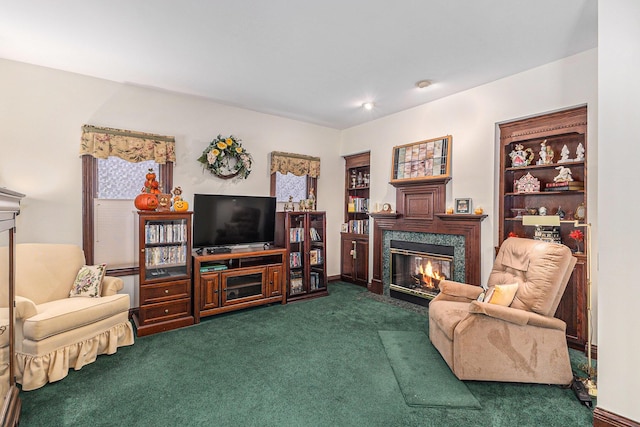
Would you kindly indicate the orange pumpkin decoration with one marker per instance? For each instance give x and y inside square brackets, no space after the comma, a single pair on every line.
[180,205]
[151,175]
[146,202]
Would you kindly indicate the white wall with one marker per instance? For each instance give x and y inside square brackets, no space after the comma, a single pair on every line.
[471,117]
[41,115]
[619,234]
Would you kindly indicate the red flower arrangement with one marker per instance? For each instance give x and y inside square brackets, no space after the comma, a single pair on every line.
[578,236]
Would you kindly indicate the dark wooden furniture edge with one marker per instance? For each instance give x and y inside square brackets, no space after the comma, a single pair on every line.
[9,209]
[11,408]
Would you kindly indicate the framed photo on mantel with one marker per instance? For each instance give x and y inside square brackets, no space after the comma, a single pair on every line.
[422,161]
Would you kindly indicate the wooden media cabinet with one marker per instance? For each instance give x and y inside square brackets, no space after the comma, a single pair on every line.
[232,281]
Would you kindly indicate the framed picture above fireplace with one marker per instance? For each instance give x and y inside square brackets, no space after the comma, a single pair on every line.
[422,161]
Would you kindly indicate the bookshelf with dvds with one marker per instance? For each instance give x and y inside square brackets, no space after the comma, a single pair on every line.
[303,236]
[532,152]
[354,238]
[164,251]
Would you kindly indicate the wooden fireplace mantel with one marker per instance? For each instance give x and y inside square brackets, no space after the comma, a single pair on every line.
[421,209]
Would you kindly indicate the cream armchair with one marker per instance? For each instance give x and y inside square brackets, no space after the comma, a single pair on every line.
[516,342]
[54,332]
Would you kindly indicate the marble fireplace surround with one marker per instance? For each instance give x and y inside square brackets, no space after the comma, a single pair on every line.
[420,216]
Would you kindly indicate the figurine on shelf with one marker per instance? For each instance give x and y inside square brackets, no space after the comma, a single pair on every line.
[564,155]
[301,205]
[564,175]
[311,201]
[549,157]
[543,153]
[179,205]
[289,206]
[521,156]
[353,179]
[164,202]
[580,153]
[561,213]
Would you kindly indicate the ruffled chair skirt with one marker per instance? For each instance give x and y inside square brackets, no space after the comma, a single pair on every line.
[34,371]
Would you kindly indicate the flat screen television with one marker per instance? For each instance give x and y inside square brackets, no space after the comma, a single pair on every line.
[227,221]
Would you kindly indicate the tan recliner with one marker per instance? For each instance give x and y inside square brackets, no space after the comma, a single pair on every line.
[522,342]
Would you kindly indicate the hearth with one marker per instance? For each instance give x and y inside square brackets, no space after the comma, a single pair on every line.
[416,269]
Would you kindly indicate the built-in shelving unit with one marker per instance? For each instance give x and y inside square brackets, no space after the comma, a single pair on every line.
[548,143]
[354,239]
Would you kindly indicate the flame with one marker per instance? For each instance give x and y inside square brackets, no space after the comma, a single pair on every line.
[428,275]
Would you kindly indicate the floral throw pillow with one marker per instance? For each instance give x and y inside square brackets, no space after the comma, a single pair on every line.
[88,282]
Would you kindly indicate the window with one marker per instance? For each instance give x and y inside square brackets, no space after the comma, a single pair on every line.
[115,218]
[120,179]
[290,185]
[114,165]
[293,175]
[110,228]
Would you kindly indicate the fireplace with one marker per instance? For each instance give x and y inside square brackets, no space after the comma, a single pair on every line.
[420,218]
[416,269]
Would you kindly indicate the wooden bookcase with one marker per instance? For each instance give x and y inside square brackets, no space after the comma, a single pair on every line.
[233,281]
[302,234]
[165,272]
[354,239]
[557,130]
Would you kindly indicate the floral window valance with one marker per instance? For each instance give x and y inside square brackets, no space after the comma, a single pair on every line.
[296,164]
[128,145]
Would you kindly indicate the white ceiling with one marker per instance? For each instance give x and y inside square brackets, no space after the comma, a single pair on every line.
[315,61]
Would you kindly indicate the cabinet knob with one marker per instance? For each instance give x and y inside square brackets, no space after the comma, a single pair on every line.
[166,291]
[166,311]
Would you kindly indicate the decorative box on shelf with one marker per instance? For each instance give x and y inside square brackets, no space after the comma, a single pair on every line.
[527,184]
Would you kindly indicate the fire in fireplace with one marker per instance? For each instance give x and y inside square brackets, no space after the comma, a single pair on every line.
[417,269]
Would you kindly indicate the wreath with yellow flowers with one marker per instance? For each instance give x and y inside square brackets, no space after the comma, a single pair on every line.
[226,158]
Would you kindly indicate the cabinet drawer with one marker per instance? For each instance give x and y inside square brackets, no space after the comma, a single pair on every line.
[165,311]
[165,291]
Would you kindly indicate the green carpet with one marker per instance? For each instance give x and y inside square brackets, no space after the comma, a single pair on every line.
[316,362]
[422,374]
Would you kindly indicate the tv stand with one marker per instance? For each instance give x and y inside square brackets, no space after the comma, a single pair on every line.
[231,281]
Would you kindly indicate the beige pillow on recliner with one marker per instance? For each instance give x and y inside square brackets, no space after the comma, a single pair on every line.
[501,294]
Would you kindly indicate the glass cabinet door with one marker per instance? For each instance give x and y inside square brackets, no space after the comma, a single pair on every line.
[317,279]
[297,258]
[166,252]
[243,285]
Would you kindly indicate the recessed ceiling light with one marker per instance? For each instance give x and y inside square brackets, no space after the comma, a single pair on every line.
[367,105]
[423,83]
